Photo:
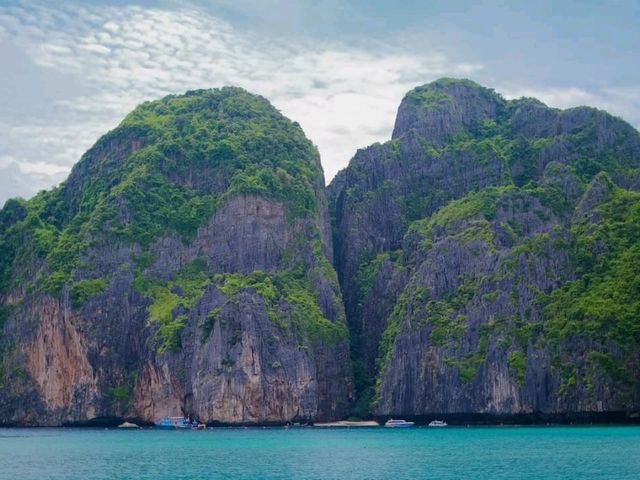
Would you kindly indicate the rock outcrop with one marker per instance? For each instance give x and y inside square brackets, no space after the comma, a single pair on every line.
[488,258]
[481,266]
[184,268]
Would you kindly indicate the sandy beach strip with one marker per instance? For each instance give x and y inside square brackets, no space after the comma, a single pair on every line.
[346,423]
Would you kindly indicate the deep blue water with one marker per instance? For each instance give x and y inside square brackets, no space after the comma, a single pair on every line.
[313,453]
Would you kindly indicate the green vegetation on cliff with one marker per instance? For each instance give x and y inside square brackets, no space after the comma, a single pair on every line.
[486,198]
[180,293]
[287,297]
[239,139]
[164,170]
[286,291]
[487,236]
[603,303]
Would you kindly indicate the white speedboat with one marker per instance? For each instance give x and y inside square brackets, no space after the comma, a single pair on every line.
[438,423]
[398,423]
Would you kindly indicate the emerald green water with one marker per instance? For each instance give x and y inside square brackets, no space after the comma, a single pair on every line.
[314,453]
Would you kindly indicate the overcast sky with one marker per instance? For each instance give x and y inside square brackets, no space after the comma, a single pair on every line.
[340,68]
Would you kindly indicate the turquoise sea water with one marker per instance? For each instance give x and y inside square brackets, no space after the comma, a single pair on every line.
[313,453]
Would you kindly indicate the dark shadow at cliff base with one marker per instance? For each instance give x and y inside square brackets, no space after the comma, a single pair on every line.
[569,418]
[108,422]
[113,422]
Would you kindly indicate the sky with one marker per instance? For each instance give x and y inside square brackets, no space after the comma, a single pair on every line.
[72,70]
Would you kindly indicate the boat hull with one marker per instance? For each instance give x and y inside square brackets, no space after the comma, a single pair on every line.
[438,424]
[398,424]
[173,423]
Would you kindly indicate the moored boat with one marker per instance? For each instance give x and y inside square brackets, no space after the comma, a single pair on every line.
[398,423]
[173,422]
[438,423]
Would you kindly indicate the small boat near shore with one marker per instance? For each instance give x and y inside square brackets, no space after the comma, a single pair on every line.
[391,423]
[128,425]
[175,422]
[438,423]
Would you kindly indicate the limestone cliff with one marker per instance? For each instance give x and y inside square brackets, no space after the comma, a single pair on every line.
[487,255]
[183,268]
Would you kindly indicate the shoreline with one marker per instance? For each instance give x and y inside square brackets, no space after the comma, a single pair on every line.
[535,418]
[453,419]
[348,424]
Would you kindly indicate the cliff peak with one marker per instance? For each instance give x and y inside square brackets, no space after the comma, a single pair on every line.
[441,108]
[461,245]
[183,268]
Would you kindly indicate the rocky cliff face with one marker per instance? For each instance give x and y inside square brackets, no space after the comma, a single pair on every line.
[183,268]
[487,256]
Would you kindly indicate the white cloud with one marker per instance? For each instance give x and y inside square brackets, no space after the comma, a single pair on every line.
[557,97]
[15,182]
[37,168]
[344,97]
[624,101]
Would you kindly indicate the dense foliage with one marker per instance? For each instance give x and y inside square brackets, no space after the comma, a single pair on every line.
[535,153]
[508,191]
[287,297]
[188,154]
[163,171]
[603,303]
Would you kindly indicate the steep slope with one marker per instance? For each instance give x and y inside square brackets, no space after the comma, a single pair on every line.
[183,268]
[488,257]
